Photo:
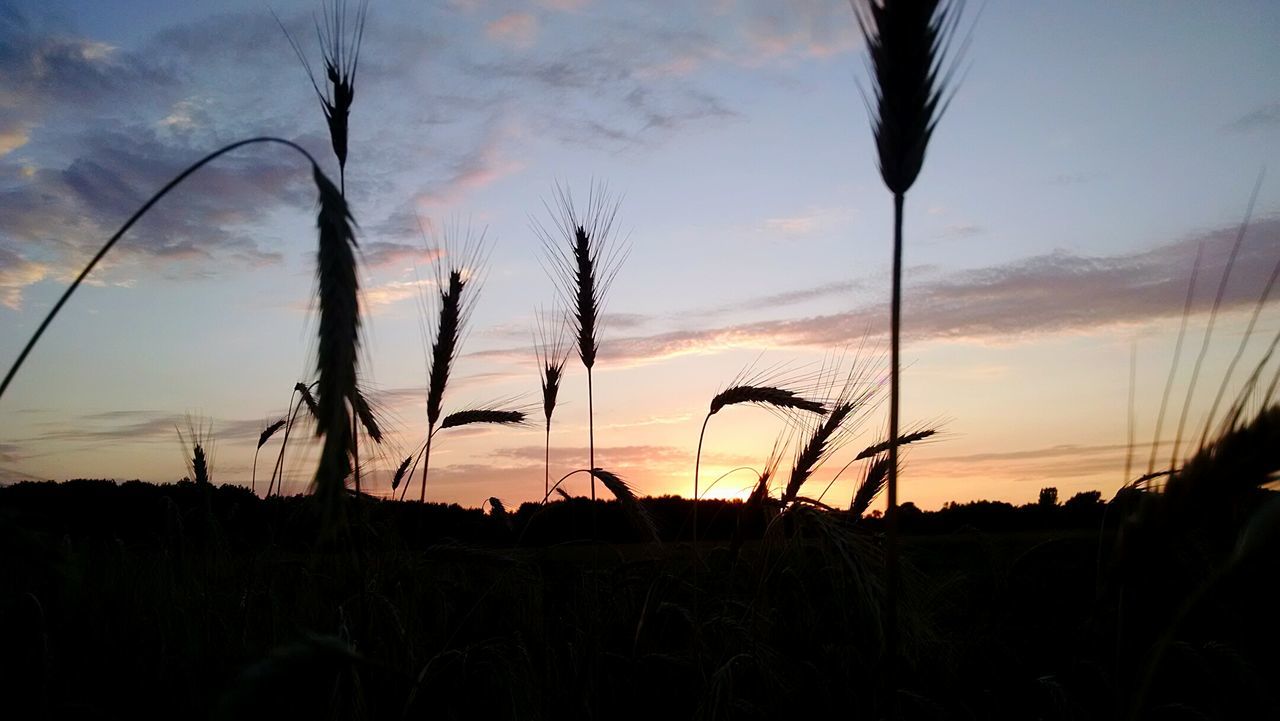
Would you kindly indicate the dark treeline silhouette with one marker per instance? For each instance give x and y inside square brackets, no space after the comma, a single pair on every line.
[138,512]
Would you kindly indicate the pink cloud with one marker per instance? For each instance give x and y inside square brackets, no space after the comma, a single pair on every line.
[518,30]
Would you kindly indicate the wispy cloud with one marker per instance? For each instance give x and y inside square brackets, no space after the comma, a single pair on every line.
[1262,117]
[1051,293]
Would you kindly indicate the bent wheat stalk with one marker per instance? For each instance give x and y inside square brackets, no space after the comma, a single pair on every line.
[758,391]
[115,238]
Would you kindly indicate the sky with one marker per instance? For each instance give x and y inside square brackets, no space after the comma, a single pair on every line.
[1090,149]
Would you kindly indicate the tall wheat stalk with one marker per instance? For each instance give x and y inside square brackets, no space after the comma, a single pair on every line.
[583,272]
[458,269]
[907,42]
[552,353]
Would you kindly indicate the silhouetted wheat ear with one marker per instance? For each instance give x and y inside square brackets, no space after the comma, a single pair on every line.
[816,449]
[552,352]
[200,465]
[269,431]
[765,395]
[631,505]
[304,392]
[445,345]
[496,507]
[341,34]
[907,43]
[400,471]
[905,439]
[367,417]
[870,487]
[483,415]
[337,353]
[564,495]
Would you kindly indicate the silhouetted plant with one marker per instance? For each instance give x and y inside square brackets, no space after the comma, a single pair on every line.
[552,351]
[302,392]
[266,434]
[457,271]
[907,43]
[583,272]
[762,389]
[341,34]
[197,441]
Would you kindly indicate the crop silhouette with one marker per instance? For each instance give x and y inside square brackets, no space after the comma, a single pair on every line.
[552,351]
[458,270]
[761,389]
[583,257]
[908,44]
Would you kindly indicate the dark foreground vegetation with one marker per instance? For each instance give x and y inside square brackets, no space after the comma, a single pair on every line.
[187,601]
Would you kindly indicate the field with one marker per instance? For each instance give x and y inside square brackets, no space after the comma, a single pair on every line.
[132,600]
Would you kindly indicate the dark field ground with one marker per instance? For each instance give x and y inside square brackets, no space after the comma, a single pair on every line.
[132,600]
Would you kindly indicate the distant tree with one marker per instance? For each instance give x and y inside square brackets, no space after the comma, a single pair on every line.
[1048,497]
[1084,500]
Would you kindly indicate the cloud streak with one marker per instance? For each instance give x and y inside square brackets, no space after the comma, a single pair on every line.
[1057,292]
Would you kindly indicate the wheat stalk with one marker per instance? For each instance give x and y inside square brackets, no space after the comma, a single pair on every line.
[583,272]
[760,389]
[493,416]
[263,437]
[304,397]
[872,484]
[857,397]
[198,463]
[337,354]
[400,471]
[631,505]
[907,43]
[137,215]
[341,34]
[552,351]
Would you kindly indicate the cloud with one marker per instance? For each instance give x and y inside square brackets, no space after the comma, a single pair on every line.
[1260,118]
[800,28]
[66,213]
[382,255]
[564,5]
[16,273]
[484,164]
[1051,293]
[519,30]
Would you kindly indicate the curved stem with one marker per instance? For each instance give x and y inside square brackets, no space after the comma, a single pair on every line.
[697,463]
[278,470]
[253,474]
[124,228]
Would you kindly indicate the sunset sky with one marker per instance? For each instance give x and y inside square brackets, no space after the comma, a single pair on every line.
[1090,148]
